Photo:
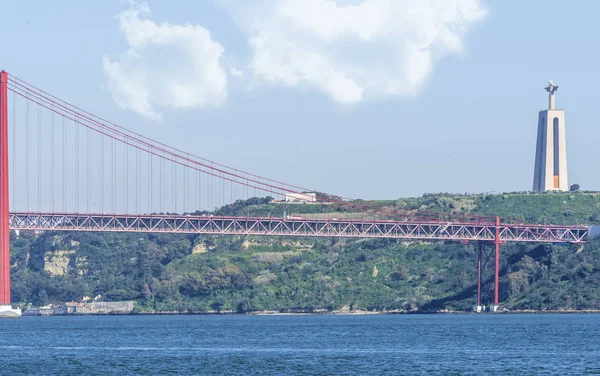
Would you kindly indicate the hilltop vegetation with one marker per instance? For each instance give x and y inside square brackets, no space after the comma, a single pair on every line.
[521,207]
[241,274]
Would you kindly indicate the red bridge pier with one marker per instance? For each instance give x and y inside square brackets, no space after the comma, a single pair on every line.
[5,307]
[488,259]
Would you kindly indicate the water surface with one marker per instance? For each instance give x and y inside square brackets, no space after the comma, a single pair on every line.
[362,345]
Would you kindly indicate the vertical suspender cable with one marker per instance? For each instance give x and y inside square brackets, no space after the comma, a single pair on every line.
[150,182]
[160,186]
[137,180]
[184,189]
[207,190]
[64,166]
[102,186]
[14,149]
[209,200]
[126,179]
[114,176]
[175,188]
[76,164]
[52,151]
[214,194]
[89,171]
[27,154]
[39,162]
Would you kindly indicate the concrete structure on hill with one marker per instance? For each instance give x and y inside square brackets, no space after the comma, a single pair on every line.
[550,172]
[301,197]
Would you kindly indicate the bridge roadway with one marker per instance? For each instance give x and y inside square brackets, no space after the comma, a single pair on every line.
[272,226]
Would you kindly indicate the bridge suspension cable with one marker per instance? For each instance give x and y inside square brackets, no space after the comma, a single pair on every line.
[91,155]
[35,94]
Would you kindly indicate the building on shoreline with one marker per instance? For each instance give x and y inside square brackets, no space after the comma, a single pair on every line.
[74,308]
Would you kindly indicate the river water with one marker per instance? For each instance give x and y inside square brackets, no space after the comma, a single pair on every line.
[362,345]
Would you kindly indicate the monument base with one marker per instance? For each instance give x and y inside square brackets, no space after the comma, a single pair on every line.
[7,311]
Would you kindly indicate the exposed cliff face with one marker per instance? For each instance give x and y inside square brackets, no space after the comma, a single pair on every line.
[57,262]
[63,262]
[199,248]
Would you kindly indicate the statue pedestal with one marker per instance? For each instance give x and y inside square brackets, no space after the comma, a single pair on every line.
[7,311]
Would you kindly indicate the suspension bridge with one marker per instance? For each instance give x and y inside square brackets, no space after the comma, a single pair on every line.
[69,170]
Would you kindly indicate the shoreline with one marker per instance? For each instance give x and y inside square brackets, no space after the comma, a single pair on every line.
[366,313]
[325,313]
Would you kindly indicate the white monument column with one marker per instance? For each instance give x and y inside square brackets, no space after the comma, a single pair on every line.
[550,172]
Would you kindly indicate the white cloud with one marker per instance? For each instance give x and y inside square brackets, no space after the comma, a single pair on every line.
[352,50]
[166,66]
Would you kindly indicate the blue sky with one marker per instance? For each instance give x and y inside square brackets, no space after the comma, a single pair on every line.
[429,99]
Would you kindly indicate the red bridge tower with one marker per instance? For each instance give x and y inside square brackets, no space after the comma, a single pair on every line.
[4,231]
[5,307]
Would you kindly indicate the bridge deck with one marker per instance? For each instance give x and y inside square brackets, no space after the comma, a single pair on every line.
[410,230]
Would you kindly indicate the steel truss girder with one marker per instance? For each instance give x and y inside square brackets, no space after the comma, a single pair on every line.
[410,230]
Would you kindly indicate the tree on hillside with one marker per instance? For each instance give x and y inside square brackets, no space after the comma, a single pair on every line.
[574,188]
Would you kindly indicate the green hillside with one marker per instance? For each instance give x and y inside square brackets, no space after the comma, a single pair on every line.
[241,274]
